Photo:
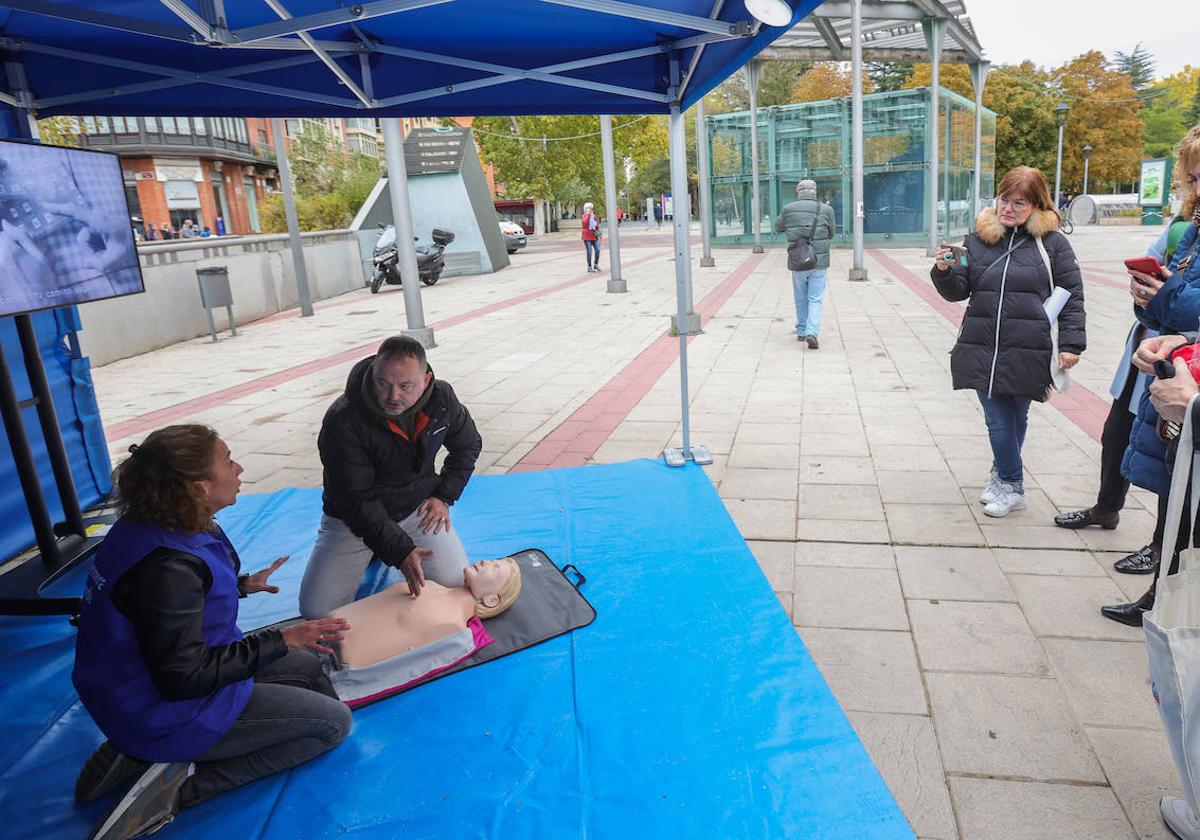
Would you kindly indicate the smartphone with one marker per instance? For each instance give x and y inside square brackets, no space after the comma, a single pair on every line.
[957,252]
[1164,369]
[1146,265]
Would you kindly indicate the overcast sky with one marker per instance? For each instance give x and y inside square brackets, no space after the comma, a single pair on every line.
[1051,32]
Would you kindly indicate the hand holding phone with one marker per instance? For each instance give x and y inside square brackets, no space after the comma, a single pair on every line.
[1145,265]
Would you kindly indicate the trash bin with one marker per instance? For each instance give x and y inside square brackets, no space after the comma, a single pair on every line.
[215,292]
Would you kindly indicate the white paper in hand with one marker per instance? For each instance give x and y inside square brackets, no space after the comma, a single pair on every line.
[1055,303]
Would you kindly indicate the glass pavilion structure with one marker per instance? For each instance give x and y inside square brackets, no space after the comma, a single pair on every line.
[812,140]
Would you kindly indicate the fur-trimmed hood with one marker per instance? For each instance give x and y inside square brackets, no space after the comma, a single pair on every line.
[990,230]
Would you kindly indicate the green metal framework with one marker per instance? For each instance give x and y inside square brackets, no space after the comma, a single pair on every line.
[812,140]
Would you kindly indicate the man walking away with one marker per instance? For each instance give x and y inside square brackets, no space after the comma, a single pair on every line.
[808,220]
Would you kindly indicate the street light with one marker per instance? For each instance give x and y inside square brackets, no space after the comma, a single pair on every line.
[770,12]
[1087,156]
[1060,117]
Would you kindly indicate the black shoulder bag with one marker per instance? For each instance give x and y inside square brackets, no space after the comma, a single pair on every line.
[801,254]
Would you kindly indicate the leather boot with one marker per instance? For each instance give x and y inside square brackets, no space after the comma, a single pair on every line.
[1130,614]
[1141,562]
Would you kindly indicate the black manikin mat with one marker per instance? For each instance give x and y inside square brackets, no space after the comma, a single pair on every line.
[550,604]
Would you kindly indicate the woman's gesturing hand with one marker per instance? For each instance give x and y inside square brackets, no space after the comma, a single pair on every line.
[312,634]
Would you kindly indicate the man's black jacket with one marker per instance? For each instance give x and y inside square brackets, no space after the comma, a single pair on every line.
[375,477]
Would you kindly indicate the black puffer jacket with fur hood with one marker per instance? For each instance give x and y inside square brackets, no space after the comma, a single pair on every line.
[1004,344]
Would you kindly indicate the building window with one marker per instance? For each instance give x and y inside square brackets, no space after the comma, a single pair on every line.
[102,125]
[241,131]
[168,125]
[151,123]
[262,136]
[199,126]
[293,128]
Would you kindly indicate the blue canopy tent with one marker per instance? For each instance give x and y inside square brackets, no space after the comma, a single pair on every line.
[386,58]
[392,58]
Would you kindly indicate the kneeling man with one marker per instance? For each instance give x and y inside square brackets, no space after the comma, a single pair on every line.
[383,496]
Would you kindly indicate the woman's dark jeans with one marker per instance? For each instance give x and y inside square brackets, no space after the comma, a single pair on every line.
[1007,418]
[592,247]
[293,715]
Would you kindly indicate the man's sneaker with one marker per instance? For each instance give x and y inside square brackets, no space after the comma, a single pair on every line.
[1178,816]
[106,770]
[990,490]
[1007,499]
[151,803]
[813,344]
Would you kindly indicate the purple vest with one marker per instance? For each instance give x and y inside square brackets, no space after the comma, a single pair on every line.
[110,674]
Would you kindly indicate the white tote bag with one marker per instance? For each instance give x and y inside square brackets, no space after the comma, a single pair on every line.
[1172,627]
[1054,304]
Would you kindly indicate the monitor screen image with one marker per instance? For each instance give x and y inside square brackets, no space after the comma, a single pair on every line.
[65,232]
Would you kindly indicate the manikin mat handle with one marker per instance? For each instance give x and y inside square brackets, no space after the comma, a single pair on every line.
[570,567]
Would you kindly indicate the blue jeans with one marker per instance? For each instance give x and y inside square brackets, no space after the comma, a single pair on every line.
[590,247]
[1007,418]
[808,288]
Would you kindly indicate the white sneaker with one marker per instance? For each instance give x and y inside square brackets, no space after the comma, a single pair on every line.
[1178,816]
[1006,501]
[990,490]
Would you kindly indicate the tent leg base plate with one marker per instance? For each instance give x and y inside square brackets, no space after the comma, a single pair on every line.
[707,262]
[757,249]
[691,324]
[617,287]
[857,275]
[423,335]
[676,457]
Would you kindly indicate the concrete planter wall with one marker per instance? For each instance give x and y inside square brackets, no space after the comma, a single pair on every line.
[260,273]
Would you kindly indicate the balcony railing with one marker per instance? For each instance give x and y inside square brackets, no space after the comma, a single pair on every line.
[156,141]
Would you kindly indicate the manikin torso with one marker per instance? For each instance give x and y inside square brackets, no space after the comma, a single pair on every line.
[393,622]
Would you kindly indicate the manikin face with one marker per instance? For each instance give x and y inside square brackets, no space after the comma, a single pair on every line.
[221,488]
[1014,210]
[486,578]
[398,382]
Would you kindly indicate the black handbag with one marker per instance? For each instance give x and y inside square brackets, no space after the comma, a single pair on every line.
[801,254]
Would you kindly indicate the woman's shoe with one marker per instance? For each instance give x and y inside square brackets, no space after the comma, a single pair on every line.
[1130,614]
[1007,499]
[1179,817]
[1075,519]
[1141,562]
[990,490]
[105,770]
[151,803]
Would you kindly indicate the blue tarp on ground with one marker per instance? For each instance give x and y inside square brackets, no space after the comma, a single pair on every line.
[689,708]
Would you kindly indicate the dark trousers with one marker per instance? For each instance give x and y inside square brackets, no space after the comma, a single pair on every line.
[1113,441]
[293,715]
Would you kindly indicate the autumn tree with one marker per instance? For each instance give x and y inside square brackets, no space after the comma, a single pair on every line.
[1104,115]
[776,85]
[827,80]
[889,75]
[955,77]
[1024,103]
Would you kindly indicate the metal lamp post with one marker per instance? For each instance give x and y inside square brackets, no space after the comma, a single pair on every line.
[1060,117]
[1087,157]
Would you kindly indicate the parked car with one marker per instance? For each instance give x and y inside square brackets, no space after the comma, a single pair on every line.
[514,236]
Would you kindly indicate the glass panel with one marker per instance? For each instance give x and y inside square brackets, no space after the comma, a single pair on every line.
[102,125]
[199,126]
[241,131]
[151,123]
[168,125]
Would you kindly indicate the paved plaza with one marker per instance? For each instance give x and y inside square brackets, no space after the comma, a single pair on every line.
[969,653]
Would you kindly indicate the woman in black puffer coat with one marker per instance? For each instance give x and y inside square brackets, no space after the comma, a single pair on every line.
[1004,348]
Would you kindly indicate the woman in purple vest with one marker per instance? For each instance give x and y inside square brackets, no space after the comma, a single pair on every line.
[190,706]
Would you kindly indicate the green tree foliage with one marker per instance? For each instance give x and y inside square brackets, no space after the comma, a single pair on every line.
[1166,112]
[565,169]
[776,86]
[1137,65]
[330,184]
[60,131]
[1026,134]
[889,75]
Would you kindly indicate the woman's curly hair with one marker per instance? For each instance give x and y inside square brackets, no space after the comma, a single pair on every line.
[157,483]
[1186,153]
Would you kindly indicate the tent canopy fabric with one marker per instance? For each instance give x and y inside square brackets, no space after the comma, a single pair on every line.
[412,58]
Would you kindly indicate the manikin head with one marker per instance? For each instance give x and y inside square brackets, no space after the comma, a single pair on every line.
[495,585]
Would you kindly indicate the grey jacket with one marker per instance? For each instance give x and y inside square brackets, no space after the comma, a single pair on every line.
[796,220]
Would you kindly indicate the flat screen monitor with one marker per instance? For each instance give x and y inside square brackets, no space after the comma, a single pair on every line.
[65,230]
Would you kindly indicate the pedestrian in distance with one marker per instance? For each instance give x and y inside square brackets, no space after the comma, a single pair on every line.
[589,232]
[809,225]
[1006,271]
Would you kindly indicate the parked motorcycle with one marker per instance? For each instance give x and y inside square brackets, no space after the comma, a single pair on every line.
[430,259]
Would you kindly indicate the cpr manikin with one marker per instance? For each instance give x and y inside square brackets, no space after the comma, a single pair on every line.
[396,640]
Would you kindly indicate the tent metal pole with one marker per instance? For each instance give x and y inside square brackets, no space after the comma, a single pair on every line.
[293,221]
[858,271]
[752,75]
[616,283]
[704,188]
[979,74]
[393,143]
[935,30]
[681,214]
[677,457]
